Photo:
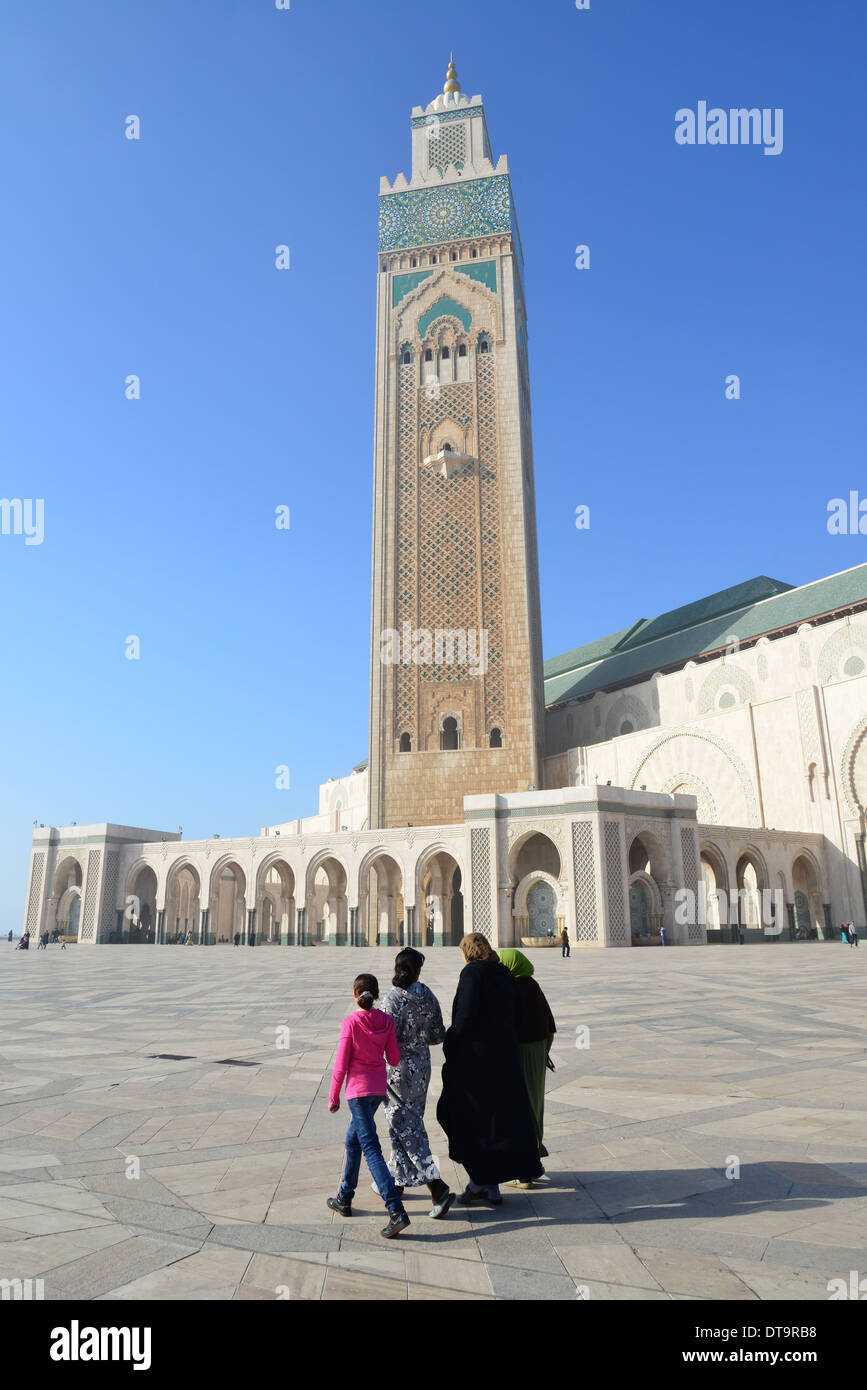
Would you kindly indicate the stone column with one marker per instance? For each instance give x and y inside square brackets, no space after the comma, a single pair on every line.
[365,926]
[382,919]
[505,925]
[332,921]
[160,934]
[409,927]
[439,927]
[676,932]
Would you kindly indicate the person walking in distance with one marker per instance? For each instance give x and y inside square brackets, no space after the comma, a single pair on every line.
[367,1041]
[564,942]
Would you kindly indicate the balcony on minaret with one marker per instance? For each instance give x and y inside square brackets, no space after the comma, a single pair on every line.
[448,462]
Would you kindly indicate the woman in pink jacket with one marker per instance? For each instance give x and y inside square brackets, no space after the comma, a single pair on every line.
[367,1040]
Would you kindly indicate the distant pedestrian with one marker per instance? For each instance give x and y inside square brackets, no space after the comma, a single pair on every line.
[853,936]
[662,936]
[24,943]
[10,934]
[237,938]
[844,933]
[741,936]
[42,943]
[367,1042]
[564,942]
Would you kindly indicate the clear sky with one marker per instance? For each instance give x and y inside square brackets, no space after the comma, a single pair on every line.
[155,257]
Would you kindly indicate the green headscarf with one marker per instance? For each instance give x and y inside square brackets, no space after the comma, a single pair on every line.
[520,967]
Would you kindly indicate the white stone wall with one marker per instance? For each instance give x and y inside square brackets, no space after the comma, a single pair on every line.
[775,758]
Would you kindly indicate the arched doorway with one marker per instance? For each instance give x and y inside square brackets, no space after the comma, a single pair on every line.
[227,916]
[64,907]
[327,908]
[383,911]
[537,910]
[440,910]
[809,915]
[752,882]
[542,909]
[647,869]
[639,911]
[275,904]
[138,920]
[715,879]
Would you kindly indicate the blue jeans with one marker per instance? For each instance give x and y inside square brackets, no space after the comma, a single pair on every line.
[362,1138]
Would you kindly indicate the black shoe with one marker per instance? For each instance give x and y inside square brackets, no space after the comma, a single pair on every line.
[337,1204]
[397,1222]
[468,1198]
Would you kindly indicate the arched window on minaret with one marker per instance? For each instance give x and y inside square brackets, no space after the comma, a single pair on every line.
[428,355]
[484,343]
[406,354]
[496,738]
[449,734]
[405,743]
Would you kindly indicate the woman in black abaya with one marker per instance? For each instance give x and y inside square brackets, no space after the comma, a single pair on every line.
[484,1107]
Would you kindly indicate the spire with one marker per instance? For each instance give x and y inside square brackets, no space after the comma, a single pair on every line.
[452,84]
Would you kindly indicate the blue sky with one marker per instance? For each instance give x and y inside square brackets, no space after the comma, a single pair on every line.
[156,257]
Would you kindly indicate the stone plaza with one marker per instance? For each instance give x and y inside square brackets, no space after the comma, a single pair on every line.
[163,1136]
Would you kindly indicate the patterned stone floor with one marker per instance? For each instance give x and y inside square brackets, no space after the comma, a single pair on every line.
[697,1060]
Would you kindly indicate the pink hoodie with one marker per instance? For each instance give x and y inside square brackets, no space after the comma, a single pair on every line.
[364,1037]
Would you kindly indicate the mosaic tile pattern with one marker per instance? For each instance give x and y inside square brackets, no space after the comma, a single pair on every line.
[461,113]
[423,216]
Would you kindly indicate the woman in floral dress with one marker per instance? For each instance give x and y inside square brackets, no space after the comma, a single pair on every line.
[418,1023]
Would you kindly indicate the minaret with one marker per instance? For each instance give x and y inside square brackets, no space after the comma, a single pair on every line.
[456,663]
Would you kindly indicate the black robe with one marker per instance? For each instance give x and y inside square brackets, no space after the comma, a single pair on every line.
[484,1107]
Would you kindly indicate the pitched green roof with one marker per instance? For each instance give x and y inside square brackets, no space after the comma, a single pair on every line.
[745,611]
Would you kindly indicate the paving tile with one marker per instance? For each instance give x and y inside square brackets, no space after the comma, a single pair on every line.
[350,1285]
[693,1059]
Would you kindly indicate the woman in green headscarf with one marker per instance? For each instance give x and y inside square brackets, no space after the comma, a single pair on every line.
[536,1029]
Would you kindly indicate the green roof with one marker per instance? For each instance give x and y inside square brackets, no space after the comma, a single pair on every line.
[745,611]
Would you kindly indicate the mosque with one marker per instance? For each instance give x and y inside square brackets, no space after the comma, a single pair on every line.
[697,777]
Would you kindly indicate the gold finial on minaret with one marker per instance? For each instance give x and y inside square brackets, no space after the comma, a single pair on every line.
[452,83]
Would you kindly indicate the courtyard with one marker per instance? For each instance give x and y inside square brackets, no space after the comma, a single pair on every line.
[164,1130]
